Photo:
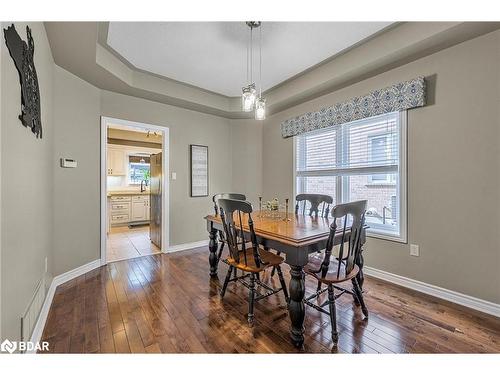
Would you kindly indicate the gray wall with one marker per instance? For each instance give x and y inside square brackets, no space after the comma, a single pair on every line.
[453,169]
[246,140]
[27,180]
[78,107]
[76,191]
[235,163]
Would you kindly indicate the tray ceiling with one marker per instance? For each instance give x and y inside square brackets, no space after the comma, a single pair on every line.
[212,55]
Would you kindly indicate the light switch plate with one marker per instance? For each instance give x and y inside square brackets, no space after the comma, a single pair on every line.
[414,250]
[174,176]
[68,163]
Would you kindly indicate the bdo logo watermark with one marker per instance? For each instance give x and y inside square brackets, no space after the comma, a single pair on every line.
[8,346]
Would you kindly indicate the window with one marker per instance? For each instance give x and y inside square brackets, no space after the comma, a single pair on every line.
[138,169]
[364,159]
[380,148]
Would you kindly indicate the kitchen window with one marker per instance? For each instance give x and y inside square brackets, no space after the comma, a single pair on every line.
[363,159]
[138,169]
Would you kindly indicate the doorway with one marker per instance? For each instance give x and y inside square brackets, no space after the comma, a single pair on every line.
[134,189]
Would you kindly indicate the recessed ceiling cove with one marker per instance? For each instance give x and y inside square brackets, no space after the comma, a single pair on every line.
[212,55]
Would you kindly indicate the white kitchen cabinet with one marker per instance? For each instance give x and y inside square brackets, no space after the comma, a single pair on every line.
[126,209]
[138,211]
[140,208]
[117,161]
[120,218]
[119,209]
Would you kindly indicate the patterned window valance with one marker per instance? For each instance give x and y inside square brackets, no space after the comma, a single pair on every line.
[398,97]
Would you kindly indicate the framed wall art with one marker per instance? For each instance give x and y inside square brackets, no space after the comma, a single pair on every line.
[198,162]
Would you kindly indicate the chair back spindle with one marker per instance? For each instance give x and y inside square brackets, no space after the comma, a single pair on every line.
[320,204]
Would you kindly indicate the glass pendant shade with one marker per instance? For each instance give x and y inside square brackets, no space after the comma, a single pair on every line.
[260,109]
[248,98]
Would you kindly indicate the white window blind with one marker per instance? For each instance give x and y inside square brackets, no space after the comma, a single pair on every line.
[357,160]
[371,145]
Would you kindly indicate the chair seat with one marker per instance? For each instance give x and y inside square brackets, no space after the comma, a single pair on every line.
[267,257]
[314,264]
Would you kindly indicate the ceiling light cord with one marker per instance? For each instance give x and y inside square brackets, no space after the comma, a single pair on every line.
[248,57]
[260,61]
[251,54]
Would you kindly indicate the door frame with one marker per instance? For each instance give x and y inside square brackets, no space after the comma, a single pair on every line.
[165,182]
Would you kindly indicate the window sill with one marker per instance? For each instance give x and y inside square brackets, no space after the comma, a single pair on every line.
[380,184]
[385,236]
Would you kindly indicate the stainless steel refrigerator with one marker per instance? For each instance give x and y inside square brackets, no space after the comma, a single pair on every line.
[155,192]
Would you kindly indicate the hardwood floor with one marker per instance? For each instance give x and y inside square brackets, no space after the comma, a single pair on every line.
[168,304]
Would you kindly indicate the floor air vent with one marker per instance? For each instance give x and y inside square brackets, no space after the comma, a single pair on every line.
[30,316]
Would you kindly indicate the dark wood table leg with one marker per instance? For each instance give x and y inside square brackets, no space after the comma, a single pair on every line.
[360,262]
[213,246]
[296,306]
[360,277]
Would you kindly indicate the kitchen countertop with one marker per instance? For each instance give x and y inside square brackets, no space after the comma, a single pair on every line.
[127,192]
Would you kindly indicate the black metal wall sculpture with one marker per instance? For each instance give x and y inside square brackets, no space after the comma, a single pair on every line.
[22,54]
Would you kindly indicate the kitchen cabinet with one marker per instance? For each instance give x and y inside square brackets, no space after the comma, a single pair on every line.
[119,209]
[140,208]
[128,208]
[117,161]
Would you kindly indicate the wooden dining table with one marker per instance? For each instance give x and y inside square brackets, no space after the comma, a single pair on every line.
[296,236]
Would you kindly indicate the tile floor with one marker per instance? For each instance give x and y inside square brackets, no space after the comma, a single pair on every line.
[125,243]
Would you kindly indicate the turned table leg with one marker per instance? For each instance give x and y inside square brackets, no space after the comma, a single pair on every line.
[212,246]
[360,262]
[360,277]
[296,306]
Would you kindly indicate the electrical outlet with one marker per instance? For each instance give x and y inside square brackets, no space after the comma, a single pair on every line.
[46,264]
[414,250]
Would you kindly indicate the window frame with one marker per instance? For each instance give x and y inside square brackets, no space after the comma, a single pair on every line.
[401,187]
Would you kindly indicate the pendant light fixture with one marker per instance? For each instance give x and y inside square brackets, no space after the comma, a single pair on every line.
[260,103]
[249,100]
[260,109]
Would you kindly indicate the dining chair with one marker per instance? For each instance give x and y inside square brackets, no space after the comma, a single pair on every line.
[251,260]
[215,198]
[332,271]
[316,202]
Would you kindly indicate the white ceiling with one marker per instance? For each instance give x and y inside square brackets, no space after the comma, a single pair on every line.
[212,55]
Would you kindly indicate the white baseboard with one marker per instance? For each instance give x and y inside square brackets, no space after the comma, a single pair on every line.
[70,275]
[186,246]
[36,336]
[436,291]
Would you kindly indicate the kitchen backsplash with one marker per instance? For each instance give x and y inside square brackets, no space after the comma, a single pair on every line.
[119,183]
